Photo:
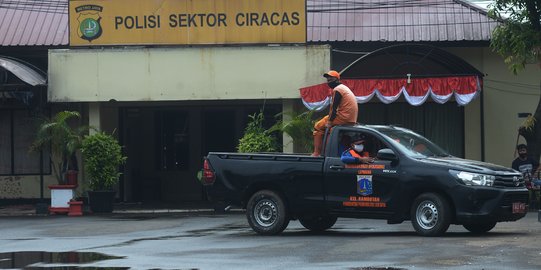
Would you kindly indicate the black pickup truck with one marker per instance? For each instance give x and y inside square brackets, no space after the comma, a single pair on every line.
[410,178]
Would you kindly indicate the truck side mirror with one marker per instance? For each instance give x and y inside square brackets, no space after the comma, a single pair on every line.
[387,154]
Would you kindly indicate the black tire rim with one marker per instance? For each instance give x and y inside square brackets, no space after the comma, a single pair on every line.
[427,215]
[265,213]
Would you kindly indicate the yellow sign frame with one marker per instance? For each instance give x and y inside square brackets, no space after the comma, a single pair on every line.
[186,22]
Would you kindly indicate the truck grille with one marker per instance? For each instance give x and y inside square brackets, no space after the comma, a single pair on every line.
[509,181]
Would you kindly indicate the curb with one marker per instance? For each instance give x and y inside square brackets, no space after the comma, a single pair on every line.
[31,211]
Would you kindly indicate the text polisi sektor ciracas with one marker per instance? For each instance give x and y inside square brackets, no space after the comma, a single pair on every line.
[208,20]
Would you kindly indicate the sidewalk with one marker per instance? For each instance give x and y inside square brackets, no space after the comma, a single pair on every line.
[122,208]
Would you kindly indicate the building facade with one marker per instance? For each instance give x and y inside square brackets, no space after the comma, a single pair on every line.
[169,104]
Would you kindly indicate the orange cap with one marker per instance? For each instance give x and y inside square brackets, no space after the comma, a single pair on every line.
[332,73]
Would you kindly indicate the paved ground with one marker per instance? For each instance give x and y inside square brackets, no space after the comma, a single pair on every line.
[17,210]
[121,208]
[204,240]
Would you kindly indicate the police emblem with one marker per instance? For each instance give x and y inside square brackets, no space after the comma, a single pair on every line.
[89,22]
[364,185]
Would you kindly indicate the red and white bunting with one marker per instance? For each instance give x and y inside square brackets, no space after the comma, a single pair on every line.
[416,91]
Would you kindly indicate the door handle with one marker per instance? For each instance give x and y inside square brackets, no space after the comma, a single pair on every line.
[336,167]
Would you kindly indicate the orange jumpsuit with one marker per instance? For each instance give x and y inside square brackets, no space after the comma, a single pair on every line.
[344,112]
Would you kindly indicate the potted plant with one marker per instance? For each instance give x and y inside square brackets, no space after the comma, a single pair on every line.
[256,138]
[102,156]
[64,141]
[75,207]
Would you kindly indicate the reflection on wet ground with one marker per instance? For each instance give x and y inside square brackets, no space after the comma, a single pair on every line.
[75,268]
[52,260]
[378,268]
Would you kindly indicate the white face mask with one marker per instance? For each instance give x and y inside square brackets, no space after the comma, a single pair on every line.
[358,147]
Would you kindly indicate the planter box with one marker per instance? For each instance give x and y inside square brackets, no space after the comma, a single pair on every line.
[60,196]
[101,201]
[71,177]
[75,208]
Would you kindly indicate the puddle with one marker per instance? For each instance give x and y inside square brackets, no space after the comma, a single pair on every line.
[75,268]
[377,268]
[27,259]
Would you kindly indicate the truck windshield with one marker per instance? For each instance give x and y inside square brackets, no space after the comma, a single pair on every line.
[413,144]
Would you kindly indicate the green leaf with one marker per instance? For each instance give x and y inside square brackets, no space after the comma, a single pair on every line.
[102,156]
[299,128]
[63,139]
[256,138]
[518,38]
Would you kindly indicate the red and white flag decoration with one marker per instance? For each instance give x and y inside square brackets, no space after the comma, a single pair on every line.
[416,91]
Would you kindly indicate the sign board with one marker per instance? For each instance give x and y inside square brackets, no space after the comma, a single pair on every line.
[187,22]
[184,73]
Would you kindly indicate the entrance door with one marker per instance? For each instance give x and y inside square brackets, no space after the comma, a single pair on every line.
[140,182]
[219,131]
[177,140]
[159,144]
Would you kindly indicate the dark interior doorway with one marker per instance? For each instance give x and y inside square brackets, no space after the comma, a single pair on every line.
[165,146]
[220,134]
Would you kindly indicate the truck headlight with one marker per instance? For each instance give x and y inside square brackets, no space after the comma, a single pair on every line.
[474,179]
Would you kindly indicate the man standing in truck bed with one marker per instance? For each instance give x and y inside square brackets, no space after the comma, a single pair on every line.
[343,109]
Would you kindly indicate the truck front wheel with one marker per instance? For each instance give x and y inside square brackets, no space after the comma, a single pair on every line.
[267,213]
[319,223]
[479,228]
[430,214]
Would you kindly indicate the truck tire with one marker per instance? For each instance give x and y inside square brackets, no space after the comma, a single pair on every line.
[481,227]
[318,223]
[430,214]
[267,213]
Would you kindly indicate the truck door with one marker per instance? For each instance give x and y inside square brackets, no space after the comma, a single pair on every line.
[366,189]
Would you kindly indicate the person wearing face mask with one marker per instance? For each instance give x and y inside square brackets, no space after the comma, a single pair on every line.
[356,153]
[525,164]
[343,109]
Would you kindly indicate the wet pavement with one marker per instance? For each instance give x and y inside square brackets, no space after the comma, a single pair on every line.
[45,260]
[205,240]
[119,208]
[17,210]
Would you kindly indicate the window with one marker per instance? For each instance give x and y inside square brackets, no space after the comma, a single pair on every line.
[370,142]
[413,144]
[5,142]
[17,131]
[443,124]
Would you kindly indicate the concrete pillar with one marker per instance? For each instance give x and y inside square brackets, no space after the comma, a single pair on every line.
[94,116]
[287,108]
[472,130]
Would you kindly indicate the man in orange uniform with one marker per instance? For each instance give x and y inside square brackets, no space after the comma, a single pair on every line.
[356,153]
[343,109]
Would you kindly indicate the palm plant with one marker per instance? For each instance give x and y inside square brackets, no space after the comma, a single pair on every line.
[299,127]
[64,141]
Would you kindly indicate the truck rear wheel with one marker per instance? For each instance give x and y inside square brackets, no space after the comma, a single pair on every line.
[430,214]
[267,213]
[479,228]
[318,223]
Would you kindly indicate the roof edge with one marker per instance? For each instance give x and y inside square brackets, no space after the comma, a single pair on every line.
[27,72]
